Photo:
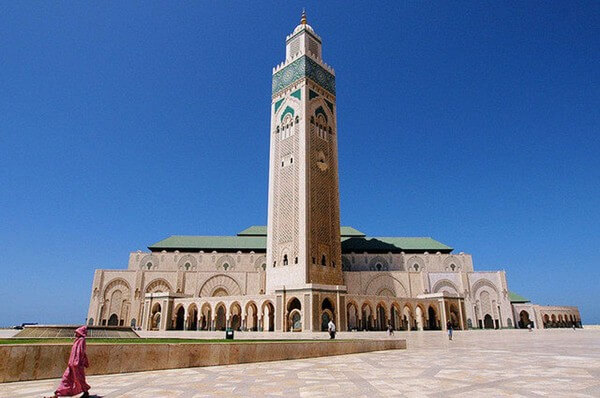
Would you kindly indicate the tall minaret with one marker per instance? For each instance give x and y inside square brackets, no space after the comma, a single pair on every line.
[303,239]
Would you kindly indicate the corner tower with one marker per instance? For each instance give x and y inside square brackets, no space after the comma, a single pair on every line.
[303,238]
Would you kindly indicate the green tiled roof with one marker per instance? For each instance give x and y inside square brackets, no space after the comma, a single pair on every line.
[515,298]
[349,231]
[255,230]
[384,245]
[255,238]
[261,230]
[224,243]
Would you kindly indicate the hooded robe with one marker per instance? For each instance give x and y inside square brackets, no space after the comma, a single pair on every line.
[73,380]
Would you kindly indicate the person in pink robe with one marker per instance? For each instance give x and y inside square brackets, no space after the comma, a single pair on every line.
[73,380]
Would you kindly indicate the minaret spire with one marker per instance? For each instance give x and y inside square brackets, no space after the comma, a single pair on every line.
[303,18]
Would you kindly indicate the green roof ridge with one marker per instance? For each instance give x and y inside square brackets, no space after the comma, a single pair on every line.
[515,298]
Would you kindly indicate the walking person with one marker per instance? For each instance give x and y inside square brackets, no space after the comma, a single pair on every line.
[450,328]
[73,380]
[331,329]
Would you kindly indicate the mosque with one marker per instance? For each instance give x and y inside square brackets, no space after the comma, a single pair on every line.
[303,268]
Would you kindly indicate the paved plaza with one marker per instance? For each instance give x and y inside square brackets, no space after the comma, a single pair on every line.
[516,363]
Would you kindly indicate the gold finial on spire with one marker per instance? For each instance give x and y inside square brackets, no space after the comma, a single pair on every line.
[303,18]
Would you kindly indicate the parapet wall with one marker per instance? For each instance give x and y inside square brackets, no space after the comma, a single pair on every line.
[45,361]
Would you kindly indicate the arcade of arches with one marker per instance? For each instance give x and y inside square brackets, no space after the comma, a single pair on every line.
[361,313]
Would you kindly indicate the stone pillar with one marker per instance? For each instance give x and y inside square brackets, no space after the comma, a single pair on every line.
[342,324]
[443,318]
[461,314]
[279,313]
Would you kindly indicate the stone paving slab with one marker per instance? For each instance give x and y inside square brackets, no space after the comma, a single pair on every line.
[550,363]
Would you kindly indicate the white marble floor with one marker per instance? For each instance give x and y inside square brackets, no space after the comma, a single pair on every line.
[516,363]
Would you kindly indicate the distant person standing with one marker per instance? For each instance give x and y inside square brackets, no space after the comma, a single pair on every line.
[449,327]
[73,380]
[390,329]
[331,329]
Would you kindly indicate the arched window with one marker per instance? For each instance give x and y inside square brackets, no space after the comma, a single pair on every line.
[187,266]
[378,266]
[285,259]
[149,265]
[452,266]
[416,267]
[323,260]
[225,266]
[296,260]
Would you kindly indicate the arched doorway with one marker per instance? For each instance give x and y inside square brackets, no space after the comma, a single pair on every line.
[327,314]
[268,316]
[192,321]
[454,317]
[236,316]
[113,320]
[419,316]
[251,317]
[432,322]
[524,319]
[180,318]
[488,322]
[546,321]
[205,317]
[154,321]
[294,315]
[220,320]
[352,317]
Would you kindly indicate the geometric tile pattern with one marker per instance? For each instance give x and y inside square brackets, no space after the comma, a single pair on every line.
[545,363]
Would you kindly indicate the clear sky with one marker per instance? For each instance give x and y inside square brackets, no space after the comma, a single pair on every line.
[122,123]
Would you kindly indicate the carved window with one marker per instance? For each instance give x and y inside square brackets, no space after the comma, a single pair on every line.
[378,266]
[296,260]
[225,266]
[416,267]
[452,266]
[323,260]
[285,259]
[187,266]
[149,265]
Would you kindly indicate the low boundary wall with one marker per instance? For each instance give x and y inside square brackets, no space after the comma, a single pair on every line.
[45,361]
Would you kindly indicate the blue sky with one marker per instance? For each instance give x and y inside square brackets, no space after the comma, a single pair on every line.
[124,122]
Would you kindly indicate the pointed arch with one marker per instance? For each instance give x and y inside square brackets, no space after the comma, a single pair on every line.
[380,283]
[220,283]
[445,284]
[158,286]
